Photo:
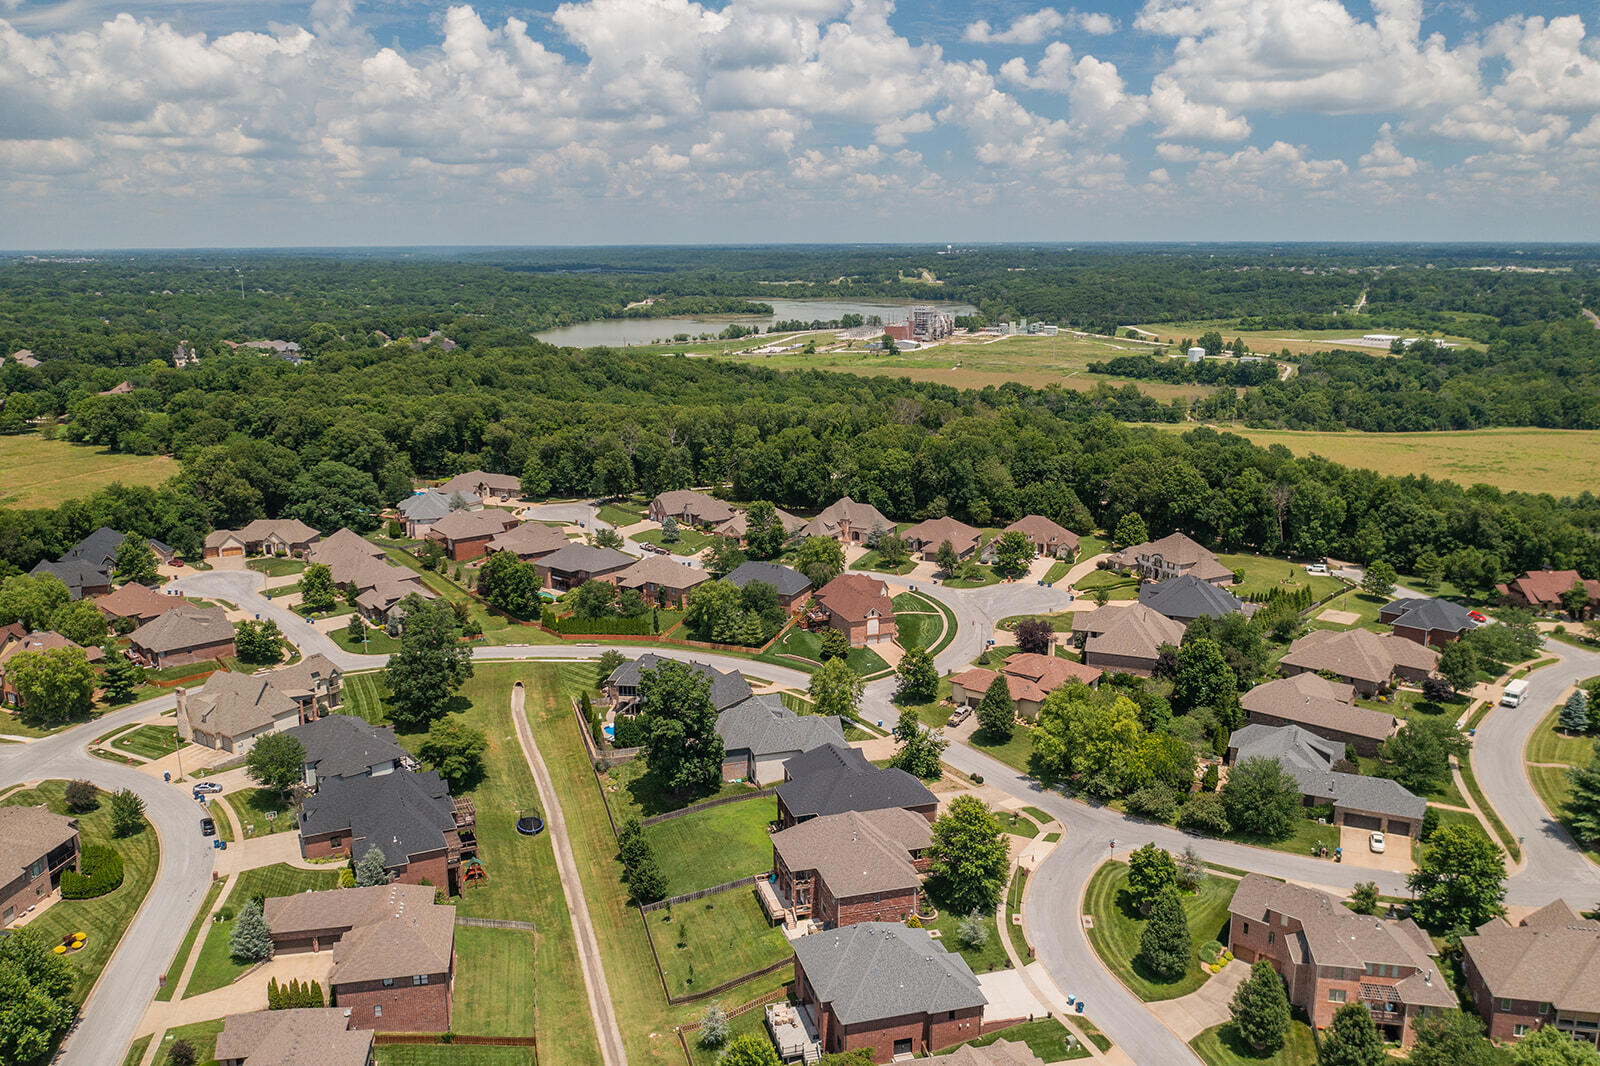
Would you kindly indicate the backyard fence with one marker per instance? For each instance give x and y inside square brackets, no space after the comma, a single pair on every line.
[601,759]
[743,1008]
[458,1038]
[720,801]
[495,923]
[689,897]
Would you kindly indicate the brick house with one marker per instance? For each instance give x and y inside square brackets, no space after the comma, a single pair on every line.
[531,540]
[1172,556]
[1185,598]
[83,577]
[860,866]
[393,952]
[1545,970]
[1319,706]
[728,687]
[1366,661]
[847,521]
[1369,803]
[232,710]
[926,537]
[410,817]
[760,734]
[466,534]
[138,602]
[1045,537]
[483,485]
[883,986]
[45,640]
[690,508]
[859,607]
[1127,639]
[419,511]
[264,536]
[304,1036]
[738,527]
[792,586]
[660,580]
[1030,677]
[356,563]
[341,745]
[1424,620]
[1329,956]
[571,566]
[184,635]
[1540,590]
[834,779]
[35,846]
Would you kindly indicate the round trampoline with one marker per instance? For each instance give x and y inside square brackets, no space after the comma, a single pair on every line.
[530,825]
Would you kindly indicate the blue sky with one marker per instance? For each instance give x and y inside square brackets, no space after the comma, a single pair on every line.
[184,123]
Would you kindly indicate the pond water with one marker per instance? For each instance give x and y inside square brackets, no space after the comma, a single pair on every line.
[620,332]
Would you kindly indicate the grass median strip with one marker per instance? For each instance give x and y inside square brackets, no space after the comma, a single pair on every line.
[1507,839]
[175,970]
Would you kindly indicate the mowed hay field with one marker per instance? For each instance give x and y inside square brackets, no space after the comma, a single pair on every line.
[35,472]
[1562,462]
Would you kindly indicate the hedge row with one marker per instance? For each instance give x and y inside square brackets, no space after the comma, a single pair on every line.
[101,873]
[294,995]
[610,627]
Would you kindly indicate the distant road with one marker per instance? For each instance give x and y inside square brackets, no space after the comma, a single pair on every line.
[1592,317]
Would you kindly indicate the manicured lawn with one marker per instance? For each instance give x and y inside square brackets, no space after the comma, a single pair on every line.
[986,576]
[277,567]
[873,561]
[619,515]
[807,645]
[1222,1046]
[707,941]
[1046,1038]
[105,918]
[201,919]
[1460,818]
[44,473]
[281,879]
[252,805]
[1549,744]
[216,967]
[378,642]
[918,630]
[1040,816]
[1118,926]
[1015,752]
[751,1021]
[689,542]
[1307,834]
[1057,571]
[364,696]
[202,1035]
[1358,603]
[494,982]
[632,793]
[1117,586]
[149,741]
[991,956]
[1263,573]
[714,846]
[136,1051]
[452,1055]
[1018,825]
[1061,621]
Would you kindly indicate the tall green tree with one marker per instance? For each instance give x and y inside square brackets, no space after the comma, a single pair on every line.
[921,749]
[1460,879]
[1151,871]
[1204,678]
[250,939]
[946,559]
[970,857]
[997,715]
[918,677]
[1583,801]
[80,622]
[53,685]
[510,584]
[835,645]
[332,495]
[1458,664]
[819,558]
[1352,1039]
[1261,798]
[454,750]
[1260,1009]
[1575,712]
[259,643]
[750,1049]
[127,813]
[1130,530]
[1013,554]
[1549,1046]
[1378,580]
[1166,945]
[764,532]
[430,666]
[33,601]
[1450,1038]
[370,870]
[317,591]
[276,761]
[136,561]
[836,689]
[36,1004]
[679,722]
[593,599]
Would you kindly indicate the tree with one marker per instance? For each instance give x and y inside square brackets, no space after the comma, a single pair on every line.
[1260,1009]
[1460,880]
[36,1004]
[607,537]
[819,558]
[1549,1046]
[645,880]
[52,685]
[33,601]
[918,677]
[1034,636]
[80,622]
[1378,580]
[1450,1038]
[127,813]
[997,715]
[82,796]
[835,645]
[593,599]
[1191,870]
[670,533]
[1458,664]
[1352,1039]
[510,584]
[1583,801]
[607,665]
[1204,678]
[333,494]
[679,722]
[250,940]
[713,1027]
[972,932]
[1420,752]
[1013,554]
[1261,798]
[893,551]
[750,1049]
[1204,813]
[1130,530]
[355,630]
[1364,897]
[969,858]
[921,749]
[764,532]
[276,761]
[258,642]
[1575,712]
[724,557]
[135,561]
[1094,737]
[120,676]
[430,665]
[454,750]
[946,558]
[1165,945]
[836,689]
[371,870]
[1576,601]
[182,1053]
[317,591]
[1151,871]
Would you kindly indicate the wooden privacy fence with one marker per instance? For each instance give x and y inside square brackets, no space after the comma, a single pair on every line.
[689,897]
[458,1038]
[495,923]
[720,801]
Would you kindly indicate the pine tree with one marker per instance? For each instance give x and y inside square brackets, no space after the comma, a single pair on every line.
[1260,1009]
[317,998]
[1583,802]
[1352,1040]
[713,1027]
[1575,712]
[250,940]
[1165,945]
[997,715]
[274,997]
[370,870]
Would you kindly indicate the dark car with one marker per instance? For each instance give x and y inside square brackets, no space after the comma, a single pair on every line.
[208,828]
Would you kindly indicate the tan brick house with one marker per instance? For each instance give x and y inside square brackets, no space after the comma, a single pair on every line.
[1319,706]
[183,636]
[860,866]
[1545,970]
[35,846]
[1126,640]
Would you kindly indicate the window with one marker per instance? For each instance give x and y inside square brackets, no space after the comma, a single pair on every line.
[420,979]
[1505,1005]
[952,1016]
[1272,938]
[388,982]
[1521,1030]
[1544,1008]
[336,843]
[1246,929]
[1335,995]
[377,1010]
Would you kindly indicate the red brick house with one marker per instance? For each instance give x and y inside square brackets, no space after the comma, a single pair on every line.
[531,540]
[138,602]
[410,817]
[1425,620]
[1545,970]
[1030,677]
[184,635]
[35,846]
[466,534]
[264,536]
[1540,590]
[859,607]
[842,869]
[690,508]
[569,567]
[393,952]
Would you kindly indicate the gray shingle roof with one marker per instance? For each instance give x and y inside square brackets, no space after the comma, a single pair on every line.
[76,574]
[402,814]
[833,779]
[1309,758]
[762,725]
[98,547]
[726,688]
[875,970]
[342,745]
[429,506]
[1425,612]
[788,582]
[1186,597]
[586,558]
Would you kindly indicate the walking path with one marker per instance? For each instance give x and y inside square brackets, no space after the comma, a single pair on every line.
[612,1050]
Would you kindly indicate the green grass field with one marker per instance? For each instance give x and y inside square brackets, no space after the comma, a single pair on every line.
[1548,744]
[918,630]
[281,879]
[44,473]
[689,542]
[714,846]
[201,919]
[1118,925]
[252,805]
[277,566]
[494,993]
[1115,585]
[1046,1038]
[991,956]
[1222,1046]
[872,561]
[1263,573]
[1016,890]
[707,941]
[378,642]
[806,645]
[215,967]
[452,1055]
[149,741]
[202,1035]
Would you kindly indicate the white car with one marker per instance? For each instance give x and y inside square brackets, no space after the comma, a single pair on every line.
[1317,569]
[1376,841]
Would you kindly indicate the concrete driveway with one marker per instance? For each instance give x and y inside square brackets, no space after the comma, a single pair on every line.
[1357,845]
[1189,1016]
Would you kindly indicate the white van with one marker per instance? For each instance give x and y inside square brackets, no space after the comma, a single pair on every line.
[1317,569]
[1515,691]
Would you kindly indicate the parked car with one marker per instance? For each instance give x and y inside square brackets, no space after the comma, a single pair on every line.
[208,788]
[1377,843]
[208,828]
[1317,569]
[1477,616]
[959,715]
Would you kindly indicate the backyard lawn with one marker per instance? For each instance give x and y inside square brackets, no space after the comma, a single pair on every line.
[253,805]
[148,741]
[1222,1046]
[990,956]
[632,793]
[1046,1038]
[714,846]
[202,1035]
[707,941]
[798,643]
[689,542]
[1118,926]
[452,1055]
[494,982]
[1117,586]
[215,967]
[1262,574]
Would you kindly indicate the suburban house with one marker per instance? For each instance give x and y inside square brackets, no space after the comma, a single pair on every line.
[860,866]
[100,547]
[622,687]
[394,958]
[264,536]
[1329,955]
[738,527]
[466,534]
[531,540]
[1030,677]
[1319,706]
[1172,556]
[138,602]
[884,986]
[83,577]
[859,607]
[304,1036]
[356,563]
[1359,802]
[791,585]
[1364,660]
[569,567]
[186,634]
[1047,538]
[45,640]
[410,817]
[847,521]
[315,683]
[834,779]
[232,709]
[35,846]
[1425,620]
[690,508]
[1000,1053]
[1127,640]
[926,537]
[662,581]
[1185,598]
[483,485]
[342,745]
[1540,590]
[419,511]
[760,734]
[1545,970]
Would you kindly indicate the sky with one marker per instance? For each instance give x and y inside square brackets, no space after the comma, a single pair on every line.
[215,123]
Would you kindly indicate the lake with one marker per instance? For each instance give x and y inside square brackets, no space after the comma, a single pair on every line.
[620,332]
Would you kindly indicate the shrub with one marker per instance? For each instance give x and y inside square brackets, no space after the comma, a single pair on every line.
[82,796]
[182,1053]
[1156,802]
[101,873]
[973,931]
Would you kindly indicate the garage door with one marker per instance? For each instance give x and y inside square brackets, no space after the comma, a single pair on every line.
[232,553]
[1402,829]
[1363,821]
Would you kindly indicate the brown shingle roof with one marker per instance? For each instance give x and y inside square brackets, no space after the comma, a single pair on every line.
[496,484]
[134,600]
[1358,654]
[1303,699]
[529,540]
[47,640]
[935,531]
[467,525]
[317,1036]
[857,852]
[288,530]
[1041,530]
[1552,957]
[697,505]
[185,626]
[1546,586]
[862,516]
[392,930]
[1134,631]
[661,572]
[29,833]
[233,704]
[854,597]
[1000,1053]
